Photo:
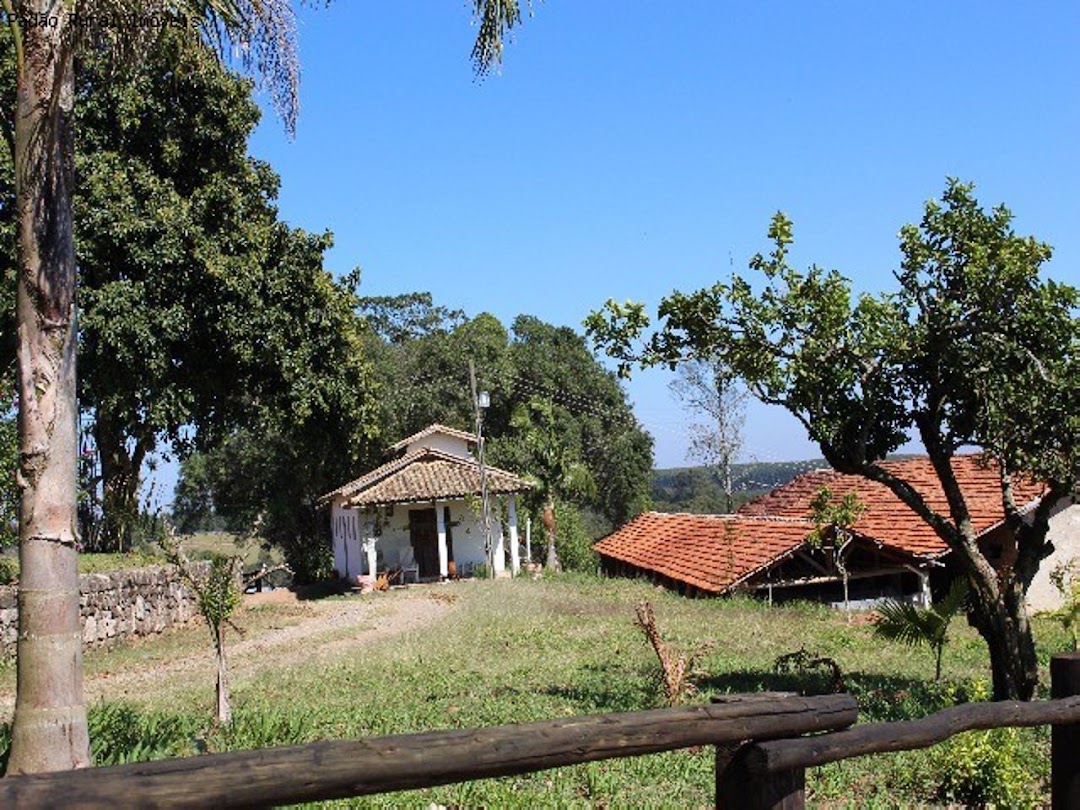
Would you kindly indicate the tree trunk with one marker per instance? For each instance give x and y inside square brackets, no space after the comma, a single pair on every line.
[1003,624]
[224,708]
[120,477]
[547,517]
[49,730]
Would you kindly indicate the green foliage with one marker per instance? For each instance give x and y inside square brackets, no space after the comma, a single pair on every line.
[555,466]
[9,460]
[121,733]
[202,315]
[573,543]
[1066,578]
[987,768]
[814,674]
[906,623]
[218,594]
[9,570]
[832,516]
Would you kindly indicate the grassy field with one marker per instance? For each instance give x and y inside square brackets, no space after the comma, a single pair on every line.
[518,651]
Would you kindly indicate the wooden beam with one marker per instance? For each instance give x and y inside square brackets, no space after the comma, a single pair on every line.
[340,769]
[1065,738]
[787,755]
[801,581]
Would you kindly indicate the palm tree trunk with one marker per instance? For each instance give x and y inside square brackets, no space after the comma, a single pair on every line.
[548,519]
[49,730]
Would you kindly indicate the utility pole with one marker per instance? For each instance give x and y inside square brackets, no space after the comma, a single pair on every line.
[481,401]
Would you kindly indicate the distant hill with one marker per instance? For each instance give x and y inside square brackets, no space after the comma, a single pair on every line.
[698,490]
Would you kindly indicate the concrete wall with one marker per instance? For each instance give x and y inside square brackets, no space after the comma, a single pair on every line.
[1065,535]
[121,604]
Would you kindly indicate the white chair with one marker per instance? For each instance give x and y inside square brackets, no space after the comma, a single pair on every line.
[409,566]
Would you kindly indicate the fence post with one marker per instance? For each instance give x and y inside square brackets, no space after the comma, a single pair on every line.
[1065,740]
[738,788]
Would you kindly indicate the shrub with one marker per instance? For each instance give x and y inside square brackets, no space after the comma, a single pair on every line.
[572,542]
[982,768]
[9,569]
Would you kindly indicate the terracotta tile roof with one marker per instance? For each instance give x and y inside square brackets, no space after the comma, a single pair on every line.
[710,552]
[429,431]
[889,520]
[427,475]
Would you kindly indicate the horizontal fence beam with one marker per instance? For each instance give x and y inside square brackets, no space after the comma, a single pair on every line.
[779,756]
[339,769]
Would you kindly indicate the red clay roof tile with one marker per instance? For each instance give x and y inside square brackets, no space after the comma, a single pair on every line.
[710,552]
[889,520]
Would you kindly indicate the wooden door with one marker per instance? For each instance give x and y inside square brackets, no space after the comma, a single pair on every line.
[424,535]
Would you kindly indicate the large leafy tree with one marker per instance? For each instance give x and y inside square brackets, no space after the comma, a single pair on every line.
[974,350]
[179,249]
[49,730]
[597,423]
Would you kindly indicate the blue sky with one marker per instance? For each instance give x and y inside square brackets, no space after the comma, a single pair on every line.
[627,149]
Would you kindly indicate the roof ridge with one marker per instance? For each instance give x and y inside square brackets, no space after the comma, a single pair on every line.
[728,516]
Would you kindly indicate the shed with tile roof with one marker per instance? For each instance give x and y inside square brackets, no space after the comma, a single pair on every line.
[417,513]
[892,551]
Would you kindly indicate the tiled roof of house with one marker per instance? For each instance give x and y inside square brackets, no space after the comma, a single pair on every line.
[710,552]
[889,520]
[429,431]
[427,475]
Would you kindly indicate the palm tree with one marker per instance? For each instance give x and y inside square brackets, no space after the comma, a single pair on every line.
[49,730]
[903,621]
[556,469]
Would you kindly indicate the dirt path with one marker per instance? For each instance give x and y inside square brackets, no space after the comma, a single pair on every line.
[330,628]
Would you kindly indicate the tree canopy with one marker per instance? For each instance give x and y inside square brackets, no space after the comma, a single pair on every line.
[974,351]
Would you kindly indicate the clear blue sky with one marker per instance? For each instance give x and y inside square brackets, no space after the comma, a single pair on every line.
[629,148]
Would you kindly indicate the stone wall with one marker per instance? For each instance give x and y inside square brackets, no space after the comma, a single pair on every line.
[120,604]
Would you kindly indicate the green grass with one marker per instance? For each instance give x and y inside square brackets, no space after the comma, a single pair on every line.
[520,651]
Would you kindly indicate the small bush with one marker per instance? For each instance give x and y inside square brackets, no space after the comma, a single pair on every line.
[986,767]
[9,570]
[572,542]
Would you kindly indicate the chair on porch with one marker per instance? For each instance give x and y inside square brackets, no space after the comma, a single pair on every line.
[409,566]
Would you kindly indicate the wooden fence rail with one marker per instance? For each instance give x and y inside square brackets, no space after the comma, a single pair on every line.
[756,765]
[338,769]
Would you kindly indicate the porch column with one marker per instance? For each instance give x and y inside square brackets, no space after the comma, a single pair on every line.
[498,555]
[924,586]
[515,552]
[369,550]
[440,522]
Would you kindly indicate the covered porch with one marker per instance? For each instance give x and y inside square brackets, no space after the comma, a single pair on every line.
[427,541]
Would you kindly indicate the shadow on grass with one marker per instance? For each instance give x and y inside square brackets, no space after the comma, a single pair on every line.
[313,591]
[601,689]
[882,698]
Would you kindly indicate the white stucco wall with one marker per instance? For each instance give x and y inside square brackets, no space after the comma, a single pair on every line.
[441,441]
[1065,535]
[346,532]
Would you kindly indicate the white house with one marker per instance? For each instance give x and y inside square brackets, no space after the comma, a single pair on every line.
[420,512]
